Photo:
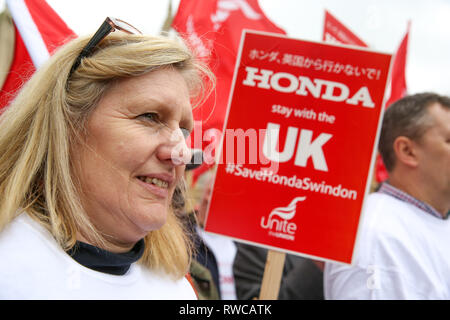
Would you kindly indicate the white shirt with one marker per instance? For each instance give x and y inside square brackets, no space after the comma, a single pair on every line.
[403,253]
[34,266]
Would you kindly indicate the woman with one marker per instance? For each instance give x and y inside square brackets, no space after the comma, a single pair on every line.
[91,151]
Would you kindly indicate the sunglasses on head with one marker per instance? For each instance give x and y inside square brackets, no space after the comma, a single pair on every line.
[109,25]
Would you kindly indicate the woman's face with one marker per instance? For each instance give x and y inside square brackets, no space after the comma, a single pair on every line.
[134,155]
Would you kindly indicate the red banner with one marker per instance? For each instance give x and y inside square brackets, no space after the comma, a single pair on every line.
[300,134]
[213,29]
[398,91]
[398,84]
[38,32]
[335,32]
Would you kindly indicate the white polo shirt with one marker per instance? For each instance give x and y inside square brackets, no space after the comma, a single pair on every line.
[403,253]
[33,266]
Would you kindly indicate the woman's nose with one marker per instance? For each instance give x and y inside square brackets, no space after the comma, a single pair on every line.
[174,148]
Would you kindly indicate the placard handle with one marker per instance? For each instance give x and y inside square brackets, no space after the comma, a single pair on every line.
[273,271]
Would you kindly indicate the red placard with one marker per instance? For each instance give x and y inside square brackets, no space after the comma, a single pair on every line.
[300,135]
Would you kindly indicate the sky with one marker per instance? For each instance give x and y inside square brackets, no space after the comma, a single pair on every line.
[380,23]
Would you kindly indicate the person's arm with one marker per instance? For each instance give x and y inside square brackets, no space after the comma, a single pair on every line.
[371,282]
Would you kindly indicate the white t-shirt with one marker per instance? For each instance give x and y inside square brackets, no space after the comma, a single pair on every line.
[403,253]
[34,266]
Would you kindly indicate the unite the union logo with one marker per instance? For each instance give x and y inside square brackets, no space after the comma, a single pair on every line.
[278,222]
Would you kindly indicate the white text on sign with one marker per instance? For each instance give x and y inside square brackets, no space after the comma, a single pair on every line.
[301,85]
[305,147]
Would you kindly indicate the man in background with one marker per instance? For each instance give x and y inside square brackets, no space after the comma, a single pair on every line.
[403,246]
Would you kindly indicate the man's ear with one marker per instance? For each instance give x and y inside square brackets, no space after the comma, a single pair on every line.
[405,151]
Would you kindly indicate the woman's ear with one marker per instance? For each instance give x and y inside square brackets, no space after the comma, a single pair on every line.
[405,151]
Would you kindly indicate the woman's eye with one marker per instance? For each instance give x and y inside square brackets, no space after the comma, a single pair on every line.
[154,117]
[150,116]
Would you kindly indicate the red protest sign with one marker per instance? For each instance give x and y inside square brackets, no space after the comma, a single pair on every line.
[300,135]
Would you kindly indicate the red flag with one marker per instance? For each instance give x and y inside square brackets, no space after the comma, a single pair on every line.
[398,91]
[38,32]
[398,73]
[213,29]
[334,31]
[381,173]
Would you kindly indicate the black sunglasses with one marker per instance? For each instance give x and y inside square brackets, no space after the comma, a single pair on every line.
[109,25]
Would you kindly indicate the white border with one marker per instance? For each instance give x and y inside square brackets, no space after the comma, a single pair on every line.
[347,46]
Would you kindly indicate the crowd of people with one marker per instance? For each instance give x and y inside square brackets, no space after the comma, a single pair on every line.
[93,198]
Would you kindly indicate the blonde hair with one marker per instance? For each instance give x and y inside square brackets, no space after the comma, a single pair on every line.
[49,114]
